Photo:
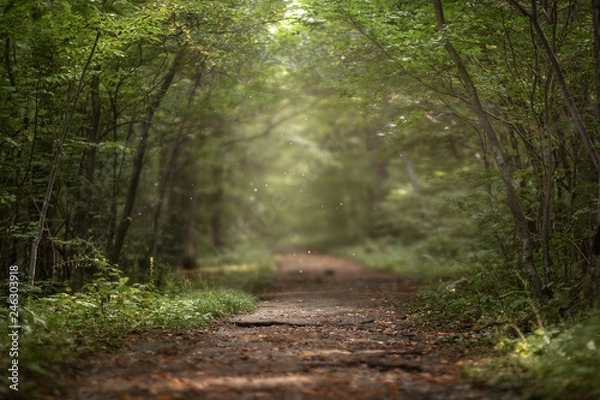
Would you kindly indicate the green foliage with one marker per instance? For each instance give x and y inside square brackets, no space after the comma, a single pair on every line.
[557,362]
[91,71]
[408,260]
[99,317]
[482,296]
[318,124]
[249,267]
[397,53]
[242,253]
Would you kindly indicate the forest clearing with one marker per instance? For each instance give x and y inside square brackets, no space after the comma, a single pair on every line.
[160,160]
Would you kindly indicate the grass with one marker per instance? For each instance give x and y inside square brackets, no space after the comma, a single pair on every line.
[412,262]
[246,277]
[526,347]
[557,362]
[66,324]
[57,327]
[248,268]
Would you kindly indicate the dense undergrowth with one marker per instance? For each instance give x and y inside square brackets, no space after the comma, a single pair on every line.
[560,361]
[524,345]
[59,326]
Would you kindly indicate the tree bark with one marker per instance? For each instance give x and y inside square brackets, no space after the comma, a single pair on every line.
[591,280]
[562,83]
[67,121]
[490,132]
[216,206]
[596,27]
[171,164]
[84,214]
[138,163]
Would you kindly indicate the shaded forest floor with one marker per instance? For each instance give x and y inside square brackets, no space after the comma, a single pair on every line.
[328,328]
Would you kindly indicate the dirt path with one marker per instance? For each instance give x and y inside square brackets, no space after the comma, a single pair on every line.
[328,329]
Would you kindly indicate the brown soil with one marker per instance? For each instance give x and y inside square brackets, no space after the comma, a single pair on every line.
[329,328]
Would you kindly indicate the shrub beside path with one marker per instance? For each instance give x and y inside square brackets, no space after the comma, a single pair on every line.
[328,328]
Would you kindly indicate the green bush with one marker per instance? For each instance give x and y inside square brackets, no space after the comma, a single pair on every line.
[412,261]
[66,324]
[557,362]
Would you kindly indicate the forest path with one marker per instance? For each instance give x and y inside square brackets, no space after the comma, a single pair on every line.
[329,328]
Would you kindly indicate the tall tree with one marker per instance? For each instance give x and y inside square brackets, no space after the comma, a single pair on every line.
[487,57]
[139,159]
[505,173]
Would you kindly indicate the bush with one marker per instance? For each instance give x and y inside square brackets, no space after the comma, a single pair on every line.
[66,324]
[557,362]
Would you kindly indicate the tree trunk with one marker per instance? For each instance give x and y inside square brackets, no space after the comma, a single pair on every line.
[511,195]
[590,283]
[71,106]
[172,163]
[216,207]
[165,181]
[591,280]
[596,27]
[84,215]
[562,83]
[138,162]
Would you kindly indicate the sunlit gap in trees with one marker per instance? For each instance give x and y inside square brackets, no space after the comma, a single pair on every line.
[296,197]
[308,183]
[293,12]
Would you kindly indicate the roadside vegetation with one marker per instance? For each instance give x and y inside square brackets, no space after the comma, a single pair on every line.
[490,174]
[59,324]
[541,350]
[516,342]
[456,142]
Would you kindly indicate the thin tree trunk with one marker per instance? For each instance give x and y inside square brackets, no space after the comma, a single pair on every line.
[596,27]
[215,202]
[189,226]
[591,280]
[546,226]
[138,162]
[114,198]
[511,195]
[171,163]
[562,83]
[414,181]
[85,213]
[8,63]
[67,120]
[164,182]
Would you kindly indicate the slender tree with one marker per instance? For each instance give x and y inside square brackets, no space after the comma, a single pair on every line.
[139,159]
[511,194]
[72,101]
